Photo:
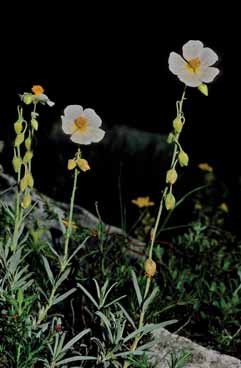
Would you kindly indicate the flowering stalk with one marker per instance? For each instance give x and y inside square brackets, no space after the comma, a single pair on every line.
[150,266]
[64,262]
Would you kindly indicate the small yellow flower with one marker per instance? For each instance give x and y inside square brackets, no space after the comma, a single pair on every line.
[171,176]
[224,207]
[170,201]
[142,202]
[177,124]
[37,90]
[205,167]
[83,164]
[73,224]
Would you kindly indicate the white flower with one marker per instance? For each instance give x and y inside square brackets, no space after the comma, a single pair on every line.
[195,67]
[82,125]
[43,99]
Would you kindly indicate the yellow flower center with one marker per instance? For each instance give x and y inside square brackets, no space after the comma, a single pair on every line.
[81,123]
[37,90]
[193,65]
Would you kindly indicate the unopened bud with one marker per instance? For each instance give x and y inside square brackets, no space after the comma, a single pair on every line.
[29,179]
[203,88]
[28,142]
[170,138]
[27,98]
[26,202]
[16,164]
[183,158]
[83,164]
[170,201]
[23,183]
[71,164]
[34,124]
[19,140]
[171,176]
[28,156]
[177,125]
[150,267]
[18,127]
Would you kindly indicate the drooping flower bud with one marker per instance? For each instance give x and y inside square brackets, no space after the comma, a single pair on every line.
[30,181]
[26,202]
[28,98]
[34,124]
[203,88]
[28,142]
[150,267]
[28,156]
[71,164]
[19,140]
[177,124]
[83,164]
[170,138]
[16,164]
[170,201]
[171,176]
[183,158]
[23,183]
[18,127]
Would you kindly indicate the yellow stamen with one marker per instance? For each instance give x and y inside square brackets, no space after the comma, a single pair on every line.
[81,124]
[193,65]
[37,90]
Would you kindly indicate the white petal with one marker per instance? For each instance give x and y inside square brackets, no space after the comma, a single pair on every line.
[50,103]
[192,49]
[208,74]
[208,56]
[191,80]
[67,125]
[73,111]
[81,138]
[93,118]
[176,63]
[97,135]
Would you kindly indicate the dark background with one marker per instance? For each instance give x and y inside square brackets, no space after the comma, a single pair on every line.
[114,59]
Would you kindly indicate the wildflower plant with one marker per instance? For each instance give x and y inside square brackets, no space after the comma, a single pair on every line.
[32,315]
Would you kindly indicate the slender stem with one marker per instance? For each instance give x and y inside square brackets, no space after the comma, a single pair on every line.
[17,210]
[69,228]
[153,237]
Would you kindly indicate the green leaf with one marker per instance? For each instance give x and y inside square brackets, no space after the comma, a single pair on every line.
[150,298]
[107,324]
[75,339]
[64,296]
[88,295]
[48,270]
[137,288]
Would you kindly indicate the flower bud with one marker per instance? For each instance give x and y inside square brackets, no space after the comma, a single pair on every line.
[171,176]
[27,98]
[183,158]
[29,179]
[23,183]
[83,164]
[71,164]
[170,201]
[150,267]
[26,202]
[203,88]
[28,156]
[19,140]
[28,142]
[18,127]
[177,125]
[34,124]
[16,164]
[170,138]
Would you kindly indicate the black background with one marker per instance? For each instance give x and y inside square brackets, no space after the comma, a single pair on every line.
[114,59]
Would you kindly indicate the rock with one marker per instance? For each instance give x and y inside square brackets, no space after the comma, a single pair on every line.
[168,342]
